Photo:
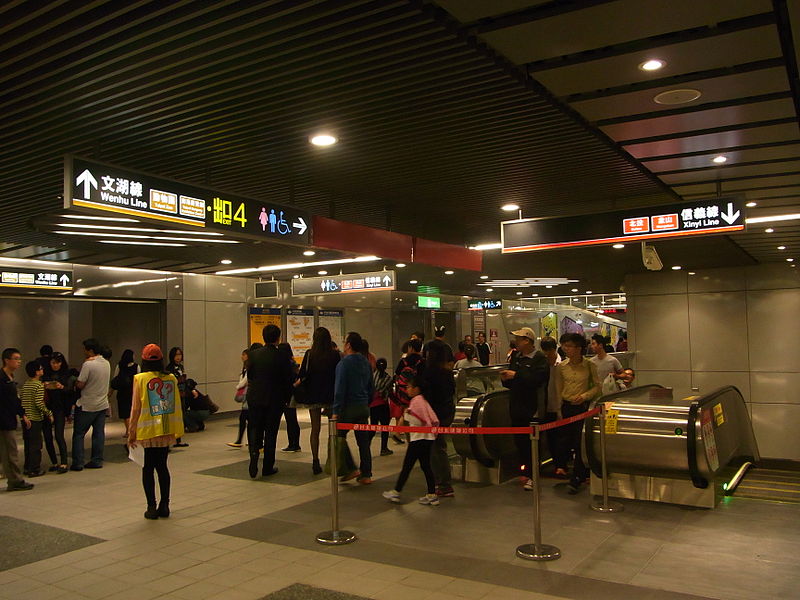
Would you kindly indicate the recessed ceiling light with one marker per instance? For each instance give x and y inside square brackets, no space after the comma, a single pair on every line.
[308,253]
[400,265]
[751,204]
[412,281]
[792,266]
[484,277]
[719,159]
[588,291]
[654,64]
[692,273]
[322,272]
[225,261]
[323,139]
[138,243]
[773,218]
[489,290]
[510,207]
[789,260]
[574,289]
[769,230]
[449,272]
[677,96]
[295,276]
[618,246]
[492,246]
[534,295]
[519,293]
[781,247]
[676,268]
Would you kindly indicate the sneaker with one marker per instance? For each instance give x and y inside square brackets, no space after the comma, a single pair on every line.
[291,449]
[397,439]
[35,473]
[234,444]
[76,468]
[364,480]
[19,486]
[392,496]
[151,513]
[386,452]
[62,469]
[528,486]
[430,500]
[92,465]
[445,491]
[352,475]
[163,509]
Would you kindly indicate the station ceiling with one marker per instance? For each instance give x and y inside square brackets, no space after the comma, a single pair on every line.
[444,111]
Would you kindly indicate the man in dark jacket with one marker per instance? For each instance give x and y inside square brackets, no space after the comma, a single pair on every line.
[483,349]
[10,409]
[269,386]
[526,377]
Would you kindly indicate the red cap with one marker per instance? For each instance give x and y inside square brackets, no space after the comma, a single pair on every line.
[152,352]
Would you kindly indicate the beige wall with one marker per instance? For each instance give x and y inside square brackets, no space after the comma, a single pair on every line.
[737,326]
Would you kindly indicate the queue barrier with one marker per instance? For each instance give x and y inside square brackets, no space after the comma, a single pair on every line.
[535,551]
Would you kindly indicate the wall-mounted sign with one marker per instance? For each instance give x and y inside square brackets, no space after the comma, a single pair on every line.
[266,289]
[35,279]
[258,318]
[427,289]
[709,216]
[429,302]
[299,331]
[486,304]
[98,186]
[376,281]
[333,321]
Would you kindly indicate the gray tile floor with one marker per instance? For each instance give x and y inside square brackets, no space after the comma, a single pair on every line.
[236,539]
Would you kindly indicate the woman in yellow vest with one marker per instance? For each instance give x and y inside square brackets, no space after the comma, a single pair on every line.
[156,421]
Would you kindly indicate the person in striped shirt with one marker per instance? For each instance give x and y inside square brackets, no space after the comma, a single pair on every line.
[32,396]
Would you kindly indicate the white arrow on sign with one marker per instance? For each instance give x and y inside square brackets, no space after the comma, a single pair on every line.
[301,225]
[64,280]
[386,280]
[730,216]
[88,182]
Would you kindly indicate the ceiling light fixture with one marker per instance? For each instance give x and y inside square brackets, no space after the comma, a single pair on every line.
[308,253]
[548,286]
[676,268]
[692,273]
[449,272]
[322,272]
[769,230]
[412,281]
[400,265]
[493,246]
[142,229]
[225,261]
[484,277]
[295,276]
[588,291]
[677,96]
[654,64]
[323,139]
[773,218]
[510,207]
[789,260]
[618,246]
[719,159]
[88,218]
[574,289]
[138,243]
[489,290]
[292,266]
[751,204]
[519,293]
[781,247]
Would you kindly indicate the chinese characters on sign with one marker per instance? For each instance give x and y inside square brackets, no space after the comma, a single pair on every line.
[338,284]
[35,279]
[97,186]
[487,304]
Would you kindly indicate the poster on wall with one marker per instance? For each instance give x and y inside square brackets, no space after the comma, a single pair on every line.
[299,331]
[259,318]
[549,324]
[570,326]
[604,330]
[333,321]
[478,323]
[494,337]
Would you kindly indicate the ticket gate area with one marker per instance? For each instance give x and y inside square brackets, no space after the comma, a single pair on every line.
[689,451]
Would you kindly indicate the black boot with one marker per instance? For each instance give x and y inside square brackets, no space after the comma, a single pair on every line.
[163,509]
[316,468]
[253,468]
[151,512]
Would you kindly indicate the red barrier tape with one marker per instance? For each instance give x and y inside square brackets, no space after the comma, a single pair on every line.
[466,430]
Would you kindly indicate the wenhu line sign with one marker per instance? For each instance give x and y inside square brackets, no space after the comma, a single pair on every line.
[702,217]
[98,186]
[375,281]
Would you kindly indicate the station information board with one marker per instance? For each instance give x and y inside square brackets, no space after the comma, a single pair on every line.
[485,304]
[99,186]
[702,217]
[376,281]
[35,279]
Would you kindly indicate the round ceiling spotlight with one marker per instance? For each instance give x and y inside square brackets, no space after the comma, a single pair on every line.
[400,265]
[484,277]
[308,253]
[654,64]
[449,272]
[510,207]
[676,268]
[323,139]
[322,272]
[412,281]
[751,204]
[225,261]
[618,246]
[574,289]
[719,159]
[677,96]
[781,247]
[769,230]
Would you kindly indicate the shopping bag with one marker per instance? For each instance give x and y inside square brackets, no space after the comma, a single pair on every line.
[344,459]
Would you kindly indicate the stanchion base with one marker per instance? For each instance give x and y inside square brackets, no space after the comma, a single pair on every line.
[541,552]
[611,507]
[336,538]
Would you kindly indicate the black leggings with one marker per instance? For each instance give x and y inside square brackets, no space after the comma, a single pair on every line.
[418,450]
[56,428]
[379,415]
[155,459]
[244,415]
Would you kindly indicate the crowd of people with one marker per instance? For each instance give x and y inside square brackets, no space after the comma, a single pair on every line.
[158,404]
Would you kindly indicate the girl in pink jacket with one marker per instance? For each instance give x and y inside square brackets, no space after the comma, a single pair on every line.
[418,414]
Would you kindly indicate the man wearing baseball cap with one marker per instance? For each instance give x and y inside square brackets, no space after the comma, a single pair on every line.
[526,377]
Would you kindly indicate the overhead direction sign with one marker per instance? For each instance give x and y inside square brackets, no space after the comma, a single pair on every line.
[485,304]
[429,302]
[702,217]
[35,279]
[98,186]
[376,281]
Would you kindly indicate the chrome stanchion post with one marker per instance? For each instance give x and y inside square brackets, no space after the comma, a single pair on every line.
[334,537]
[537,550]
[606,506]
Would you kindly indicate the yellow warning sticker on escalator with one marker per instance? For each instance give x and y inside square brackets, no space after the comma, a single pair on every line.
[719,417]
[611,421]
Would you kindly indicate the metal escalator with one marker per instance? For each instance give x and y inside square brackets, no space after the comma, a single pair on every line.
[763,483]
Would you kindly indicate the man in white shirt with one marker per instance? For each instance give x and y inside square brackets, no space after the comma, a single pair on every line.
[605,363]
[92,406]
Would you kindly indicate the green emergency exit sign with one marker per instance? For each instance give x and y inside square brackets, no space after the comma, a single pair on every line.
[429,302]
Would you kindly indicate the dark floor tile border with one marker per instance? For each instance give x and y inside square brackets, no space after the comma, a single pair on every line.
[529,578]
[299,591]
[25,542]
